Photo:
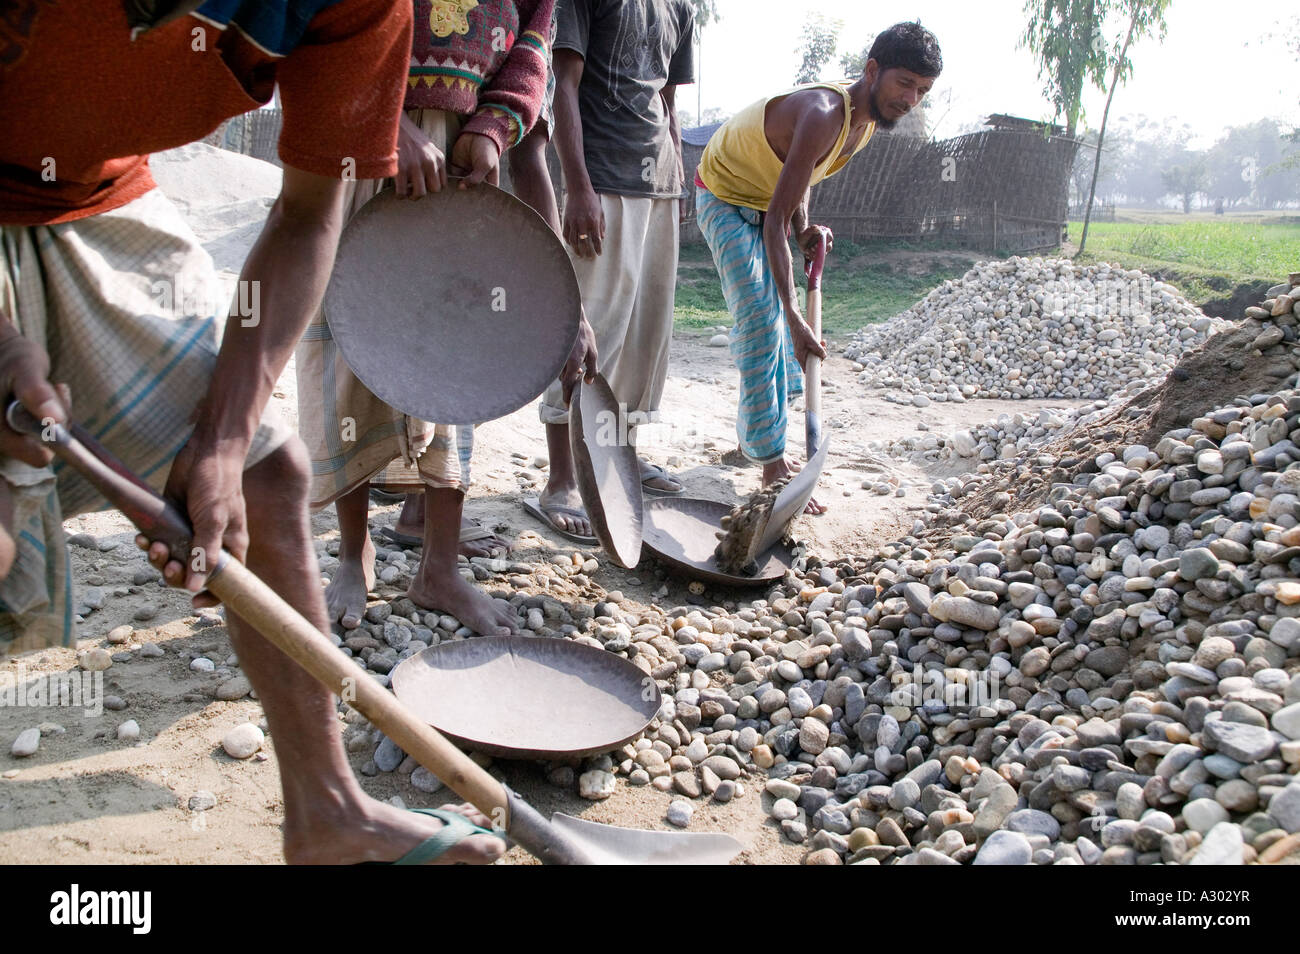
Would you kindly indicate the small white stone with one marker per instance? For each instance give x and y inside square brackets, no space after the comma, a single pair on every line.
[128,731]
[243,741]
[95,660]
[680,812]
[28,741]
[202,801]
[596,785]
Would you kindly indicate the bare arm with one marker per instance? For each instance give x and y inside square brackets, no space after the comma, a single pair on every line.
[532,184]
[284,277]
[584,222]
[815,133]
[799,220]
[669,96]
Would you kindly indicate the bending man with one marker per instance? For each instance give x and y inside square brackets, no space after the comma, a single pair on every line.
[752,189]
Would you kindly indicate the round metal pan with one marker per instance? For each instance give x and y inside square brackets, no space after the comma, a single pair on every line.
[682,532]
[609,477]
[522,697]
[457,308]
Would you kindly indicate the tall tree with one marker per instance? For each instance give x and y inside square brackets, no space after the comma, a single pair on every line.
[1186,179]
[817,46]
[1066,38]
[853,63]
[1144,17]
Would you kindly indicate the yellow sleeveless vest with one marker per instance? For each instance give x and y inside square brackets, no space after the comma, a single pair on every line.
[739,166]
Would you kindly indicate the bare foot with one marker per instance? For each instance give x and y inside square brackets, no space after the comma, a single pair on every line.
[373,831]
[345,597]
[783,469]
[451,593]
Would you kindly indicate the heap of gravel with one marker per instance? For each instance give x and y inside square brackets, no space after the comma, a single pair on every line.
[1110,677]
[1031,328]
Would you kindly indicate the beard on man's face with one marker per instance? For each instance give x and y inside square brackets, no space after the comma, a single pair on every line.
[878,114]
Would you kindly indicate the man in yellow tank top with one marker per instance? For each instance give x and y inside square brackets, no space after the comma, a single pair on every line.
[752,188]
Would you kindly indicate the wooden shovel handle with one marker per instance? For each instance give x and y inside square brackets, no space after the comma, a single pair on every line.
[262,608]
[255,602]
[813,374]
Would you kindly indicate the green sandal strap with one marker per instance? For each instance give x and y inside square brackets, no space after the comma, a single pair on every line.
[456,828]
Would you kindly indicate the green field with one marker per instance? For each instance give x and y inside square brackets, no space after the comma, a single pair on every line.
[862,284]
[1202,253]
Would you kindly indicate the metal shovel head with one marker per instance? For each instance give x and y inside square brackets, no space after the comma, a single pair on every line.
[610,845]
[793,497]
[682,532]
[609,477]
[526,697]
[456,308]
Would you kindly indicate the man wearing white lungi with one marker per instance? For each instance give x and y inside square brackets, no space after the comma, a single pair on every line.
[617,66]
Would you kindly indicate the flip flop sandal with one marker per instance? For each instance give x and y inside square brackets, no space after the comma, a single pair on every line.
[534,506]
[407,541]
[455,829]
[651,471]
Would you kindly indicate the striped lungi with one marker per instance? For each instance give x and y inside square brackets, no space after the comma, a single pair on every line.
[770,377]
[130,310]
[351,435]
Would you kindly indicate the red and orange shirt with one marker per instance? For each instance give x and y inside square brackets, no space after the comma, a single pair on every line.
[82,105]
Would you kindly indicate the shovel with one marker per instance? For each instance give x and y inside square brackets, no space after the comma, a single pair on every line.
[563,840]
[794,496]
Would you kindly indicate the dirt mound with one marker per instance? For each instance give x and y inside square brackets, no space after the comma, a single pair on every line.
[1253,357]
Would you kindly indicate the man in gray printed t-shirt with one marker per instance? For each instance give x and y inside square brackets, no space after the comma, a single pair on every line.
[617,66]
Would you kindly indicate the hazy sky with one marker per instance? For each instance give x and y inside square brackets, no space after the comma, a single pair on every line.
[1203,73]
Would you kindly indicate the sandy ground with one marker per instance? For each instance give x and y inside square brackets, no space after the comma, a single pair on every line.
[86,797]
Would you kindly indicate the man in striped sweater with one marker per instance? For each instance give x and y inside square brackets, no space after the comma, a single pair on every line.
[476,85]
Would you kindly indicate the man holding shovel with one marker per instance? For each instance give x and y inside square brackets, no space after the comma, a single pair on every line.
[752,189]
[86,242]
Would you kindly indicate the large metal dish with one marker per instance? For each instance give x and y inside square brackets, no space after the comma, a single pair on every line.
[523,697]
[457,308]
[682,532]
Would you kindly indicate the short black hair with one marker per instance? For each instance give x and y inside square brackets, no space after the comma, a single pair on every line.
[910,46]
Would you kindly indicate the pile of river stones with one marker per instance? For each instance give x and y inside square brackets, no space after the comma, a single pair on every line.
[1006,437]
[1031,328]
[1112,677]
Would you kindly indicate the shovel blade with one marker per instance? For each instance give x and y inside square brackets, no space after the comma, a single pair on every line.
[611,845]
[789,503]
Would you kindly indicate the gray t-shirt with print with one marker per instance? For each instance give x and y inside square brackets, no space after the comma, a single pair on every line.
[631,49]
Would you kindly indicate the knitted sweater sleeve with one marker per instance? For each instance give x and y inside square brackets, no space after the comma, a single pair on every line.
[510,102]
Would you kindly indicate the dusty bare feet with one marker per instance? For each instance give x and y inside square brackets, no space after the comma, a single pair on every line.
[345,597]
[373,831]
[453,594]
[788,467]
[563,508]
